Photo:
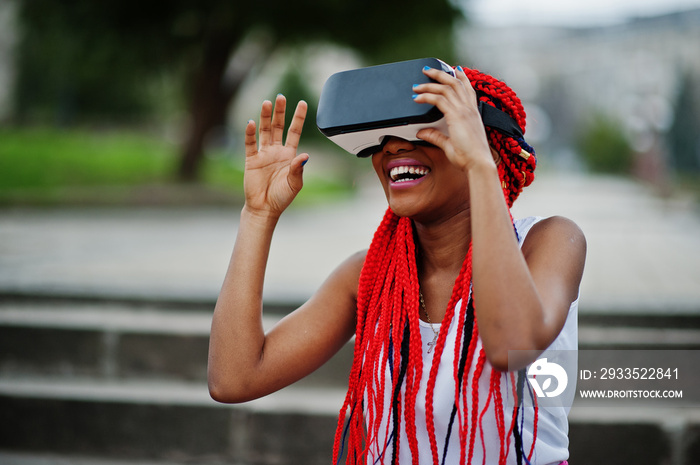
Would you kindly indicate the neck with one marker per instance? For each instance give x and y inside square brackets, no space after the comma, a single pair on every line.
[443,244]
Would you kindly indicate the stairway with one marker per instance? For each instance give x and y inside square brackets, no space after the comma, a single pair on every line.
[110,382]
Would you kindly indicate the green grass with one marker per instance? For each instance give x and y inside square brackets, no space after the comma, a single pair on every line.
[44,166]
[34,158]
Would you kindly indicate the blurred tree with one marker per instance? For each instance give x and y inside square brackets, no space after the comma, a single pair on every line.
[684,134]
[603,146]
[85,57]
[295,87]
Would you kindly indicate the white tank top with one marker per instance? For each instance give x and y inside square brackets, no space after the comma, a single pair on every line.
[552,429]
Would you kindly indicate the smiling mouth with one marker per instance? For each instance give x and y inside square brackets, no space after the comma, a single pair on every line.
[407,173]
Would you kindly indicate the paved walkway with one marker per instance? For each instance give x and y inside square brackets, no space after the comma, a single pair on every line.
[643,251]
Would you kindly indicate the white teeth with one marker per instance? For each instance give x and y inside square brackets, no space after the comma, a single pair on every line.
[397,171]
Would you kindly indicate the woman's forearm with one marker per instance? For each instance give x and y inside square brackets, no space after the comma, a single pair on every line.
[507,303]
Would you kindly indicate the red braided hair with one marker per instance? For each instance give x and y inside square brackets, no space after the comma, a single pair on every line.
[387,336]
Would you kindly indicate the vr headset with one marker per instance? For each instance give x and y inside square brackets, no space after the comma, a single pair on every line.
[359,109]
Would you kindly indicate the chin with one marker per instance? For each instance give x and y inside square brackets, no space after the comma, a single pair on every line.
[405,207]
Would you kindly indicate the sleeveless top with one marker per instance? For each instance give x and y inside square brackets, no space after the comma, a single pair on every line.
[552,442]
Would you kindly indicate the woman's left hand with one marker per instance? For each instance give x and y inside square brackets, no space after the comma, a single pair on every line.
[466,144]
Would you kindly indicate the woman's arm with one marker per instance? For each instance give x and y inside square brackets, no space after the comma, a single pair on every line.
[521,297]
[244,362]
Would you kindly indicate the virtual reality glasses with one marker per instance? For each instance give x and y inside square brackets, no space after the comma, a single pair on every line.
[359,109]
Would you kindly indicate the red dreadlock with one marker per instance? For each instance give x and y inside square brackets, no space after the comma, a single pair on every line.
[388,335]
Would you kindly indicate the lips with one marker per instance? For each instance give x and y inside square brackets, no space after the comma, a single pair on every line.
[406,171]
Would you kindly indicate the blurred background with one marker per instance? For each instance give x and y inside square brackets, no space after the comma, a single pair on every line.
[121,162]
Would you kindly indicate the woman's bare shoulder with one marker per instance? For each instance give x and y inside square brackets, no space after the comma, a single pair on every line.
[348,272]
[556,247]
[553,230]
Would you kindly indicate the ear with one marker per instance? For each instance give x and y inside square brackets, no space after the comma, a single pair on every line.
[496,156]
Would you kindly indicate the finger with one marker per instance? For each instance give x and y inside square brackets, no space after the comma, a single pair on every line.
[278,119]
[265,114]
[438,99]
[462,76]
[439,75]
[435,88]
[251,146]
[296,170]
[297,124]
[453,82]
[435,137]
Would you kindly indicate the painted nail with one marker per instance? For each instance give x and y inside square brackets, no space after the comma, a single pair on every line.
[304,162]
[414,96]
[459,68]
[426,68]
[415,85]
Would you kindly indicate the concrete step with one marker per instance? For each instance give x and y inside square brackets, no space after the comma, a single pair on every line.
[122,340]
[660,338]
[37,458]
[165,421]
[176,422]
[85,378]
[119,341]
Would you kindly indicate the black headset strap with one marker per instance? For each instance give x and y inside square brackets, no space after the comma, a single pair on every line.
[499,120]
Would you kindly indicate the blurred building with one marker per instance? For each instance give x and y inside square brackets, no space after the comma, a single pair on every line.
[629,71]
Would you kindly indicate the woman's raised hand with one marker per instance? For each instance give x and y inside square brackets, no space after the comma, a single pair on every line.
[273,170]
[465,144]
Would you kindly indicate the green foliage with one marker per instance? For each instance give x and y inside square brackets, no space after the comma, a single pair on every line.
[71,68]
[604,147]
[86,59]
[106,61]
[295,88]
[382,31]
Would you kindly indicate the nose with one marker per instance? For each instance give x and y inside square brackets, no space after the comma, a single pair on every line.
[395,145]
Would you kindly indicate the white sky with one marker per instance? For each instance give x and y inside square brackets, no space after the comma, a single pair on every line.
[569,12]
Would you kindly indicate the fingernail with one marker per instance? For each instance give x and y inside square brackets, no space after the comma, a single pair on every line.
[304,162]
[415,85]
[459,68]
[414,96]
[426,68]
